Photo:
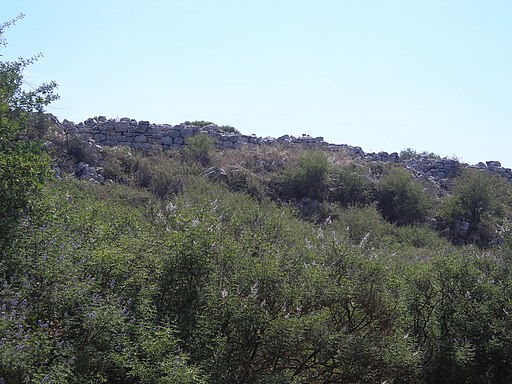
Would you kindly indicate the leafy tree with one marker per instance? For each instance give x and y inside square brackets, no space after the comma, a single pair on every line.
[23,162]
[399,199]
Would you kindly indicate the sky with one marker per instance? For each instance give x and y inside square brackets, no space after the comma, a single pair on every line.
[385,75]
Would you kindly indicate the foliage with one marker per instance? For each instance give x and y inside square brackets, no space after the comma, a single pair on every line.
[400,200]
[199,148]
[209,285]
[409,154]
[349,187]
[23,163]
[243,181]
[80,150]
[203,123]
[450,301]
[161,174]
[78,308]
[307,179]
[161,275]
[478,198]
[366,228]
[198,123]
[229,129]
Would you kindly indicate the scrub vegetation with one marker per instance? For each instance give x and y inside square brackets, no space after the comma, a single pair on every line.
[298,266]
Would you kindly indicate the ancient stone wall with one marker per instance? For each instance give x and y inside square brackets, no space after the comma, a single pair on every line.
[145,135]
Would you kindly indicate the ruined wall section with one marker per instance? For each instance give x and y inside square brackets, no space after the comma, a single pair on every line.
[145,135]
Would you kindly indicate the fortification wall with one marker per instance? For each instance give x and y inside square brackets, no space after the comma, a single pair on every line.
[145,135]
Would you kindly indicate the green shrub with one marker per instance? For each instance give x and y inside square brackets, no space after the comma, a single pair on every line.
[480,199]
[81,306]
[400,200]
[203,123]
[454,303]
[363,225]
[199,148]
[348,187]
[409,153]
[243,181]
[419,236]
[159,173]
[81,151]
[120,164]
[198,123]
[228,129]
[307,179]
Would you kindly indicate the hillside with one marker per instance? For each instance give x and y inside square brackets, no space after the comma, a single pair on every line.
[285,261]
[328,175]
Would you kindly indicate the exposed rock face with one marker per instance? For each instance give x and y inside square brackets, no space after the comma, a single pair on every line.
[145,135]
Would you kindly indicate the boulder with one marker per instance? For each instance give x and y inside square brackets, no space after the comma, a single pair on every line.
[216,174]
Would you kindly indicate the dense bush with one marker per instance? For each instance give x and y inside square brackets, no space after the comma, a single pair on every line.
[240,180]
[161,174]
[229,129]
[198,123]
[307,179]
[411,154]
[161,275]
[80,150]
[348,187]
[78,306]
[199,148]
[480,199]
[399,199]
[110,284]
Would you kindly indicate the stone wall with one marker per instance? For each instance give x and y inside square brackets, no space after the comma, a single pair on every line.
[145,135]
[439,169]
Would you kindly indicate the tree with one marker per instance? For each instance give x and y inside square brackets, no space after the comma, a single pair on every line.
[24,165]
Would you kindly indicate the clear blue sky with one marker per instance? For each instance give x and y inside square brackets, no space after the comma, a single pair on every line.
[433,75]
